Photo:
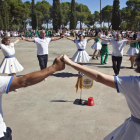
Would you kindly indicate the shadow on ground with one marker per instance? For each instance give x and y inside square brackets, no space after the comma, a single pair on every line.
[65,75]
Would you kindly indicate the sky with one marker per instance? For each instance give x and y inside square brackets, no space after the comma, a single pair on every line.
[93,5]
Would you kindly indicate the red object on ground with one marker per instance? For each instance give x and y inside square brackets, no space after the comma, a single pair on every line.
[90,101]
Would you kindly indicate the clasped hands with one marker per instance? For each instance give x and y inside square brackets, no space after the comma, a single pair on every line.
[60,61]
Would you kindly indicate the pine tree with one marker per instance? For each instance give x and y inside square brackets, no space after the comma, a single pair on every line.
[33,23]
[56,15]
[73,21]
[116,15]
[1,24]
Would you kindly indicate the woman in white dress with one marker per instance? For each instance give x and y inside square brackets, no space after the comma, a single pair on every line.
[81,56]
[134,49]
[96,46]
[129,86]
[10,64]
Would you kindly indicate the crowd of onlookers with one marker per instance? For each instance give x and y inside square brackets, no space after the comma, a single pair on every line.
[66,32]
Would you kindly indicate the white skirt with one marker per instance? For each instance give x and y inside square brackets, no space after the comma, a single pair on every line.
[132,51]
[96,46]
[10,65]
[81,57]
[129,130]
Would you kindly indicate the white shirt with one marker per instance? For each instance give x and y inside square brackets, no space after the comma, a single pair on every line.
[8,49]
[129,86]
[42,45]
[105,37]
[118,47]
[5,82]
[8,34]
[81,44]
[138,35]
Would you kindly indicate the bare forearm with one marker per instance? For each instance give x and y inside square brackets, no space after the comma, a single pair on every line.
[95,75]
[106,40]
[91,38]
[36,77]
[32,78]
[16,41]
[69,38]
[29,40]
[133,41]
[56,38]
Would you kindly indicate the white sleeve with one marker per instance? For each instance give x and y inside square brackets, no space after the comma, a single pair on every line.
[111,40]
[50,39]
[124,84]
[5,82]
[35,40]
[125,42]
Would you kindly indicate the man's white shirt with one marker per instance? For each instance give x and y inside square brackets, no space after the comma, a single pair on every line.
[42,45]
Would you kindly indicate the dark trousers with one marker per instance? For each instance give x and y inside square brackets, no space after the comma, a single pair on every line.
[7,135]
[43,59]
[116,61]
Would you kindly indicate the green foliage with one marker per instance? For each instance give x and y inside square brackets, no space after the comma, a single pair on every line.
[73,22]
[116,15]
[1,24]
[131,14]
[15,14]
[123,26]
[92,19]
[82,14]
[56,15]
[107,14]
[33,23]
[65,13]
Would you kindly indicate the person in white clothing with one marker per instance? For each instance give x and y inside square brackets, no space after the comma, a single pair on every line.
[133,50]
[10,83]
[42,47]
[81,55]
[10,64]
[129,86]
[117,52]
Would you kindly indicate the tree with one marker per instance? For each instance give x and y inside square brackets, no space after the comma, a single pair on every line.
[116,15]
[1,24]
[82,13]
[56,15]
[33,23]
[92,19]
[73,22]
[65,13]
[133,7]
[107,14]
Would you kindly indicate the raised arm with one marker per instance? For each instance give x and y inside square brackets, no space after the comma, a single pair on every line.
[69,38]
[92,38]
[36,77]
[133,41]
[27,39]
[107,40]
[57,38]
[107,80]
[15,42]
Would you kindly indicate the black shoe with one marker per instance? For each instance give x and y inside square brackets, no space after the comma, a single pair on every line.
[93,57]
[105,63]
[96,57]
[102,63]
[131,67]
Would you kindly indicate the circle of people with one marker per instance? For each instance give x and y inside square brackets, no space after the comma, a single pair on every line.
[11,66]
[127,85]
